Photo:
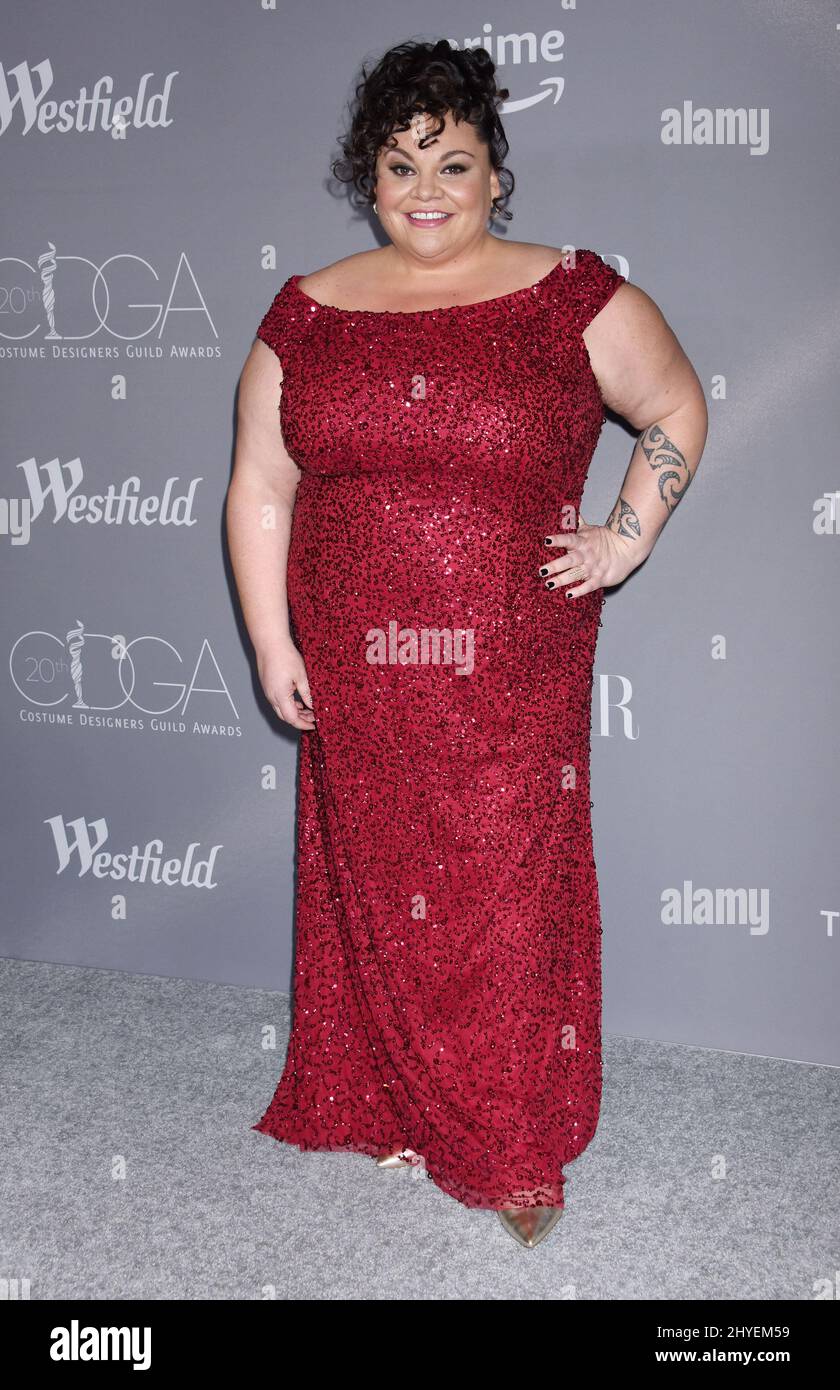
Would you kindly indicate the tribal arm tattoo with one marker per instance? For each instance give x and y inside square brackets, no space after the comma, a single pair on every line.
[672,477]
[661,452]
[623,520]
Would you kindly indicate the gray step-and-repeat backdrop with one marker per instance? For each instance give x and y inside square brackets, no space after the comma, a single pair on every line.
[165,167]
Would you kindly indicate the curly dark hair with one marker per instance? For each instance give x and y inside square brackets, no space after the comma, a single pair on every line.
[418,77]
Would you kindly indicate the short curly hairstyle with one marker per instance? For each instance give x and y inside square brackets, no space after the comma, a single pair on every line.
[418,77]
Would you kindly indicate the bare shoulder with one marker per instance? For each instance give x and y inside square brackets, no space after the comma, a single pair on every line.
[346,276]
[532,252]
[629,316]
[525,262]
[545,257]
[637,359]
[360,277]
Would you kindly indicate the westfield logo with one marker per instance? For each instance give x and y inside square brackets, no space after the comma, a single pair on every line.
[55,489]
[25,95]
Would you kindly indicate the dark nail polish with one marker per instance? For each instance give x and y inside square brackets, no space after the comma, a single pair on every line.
[544,569]
[547,541]
[549,583]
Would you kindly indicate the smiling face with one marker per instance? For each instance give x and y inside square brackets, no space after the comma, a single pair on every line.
[435,201]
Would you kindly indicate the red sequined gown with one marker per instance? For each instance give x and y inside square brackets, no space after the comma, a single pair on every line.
[447,986]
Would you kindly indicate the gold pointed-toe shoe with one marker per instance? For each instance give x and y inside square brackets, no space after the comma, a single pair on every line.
[529,1225]
[401,1159]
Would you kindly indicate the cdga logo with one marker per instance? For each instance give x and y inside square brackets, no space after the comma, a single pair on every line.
[69,298]
[90,674]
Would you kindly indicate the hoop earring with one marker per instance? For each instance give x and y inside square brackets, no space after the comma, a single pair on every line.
[374,208]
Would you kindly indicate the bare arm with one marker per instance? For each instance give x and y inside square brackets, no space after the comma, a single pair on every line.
[644,376]
[258,513]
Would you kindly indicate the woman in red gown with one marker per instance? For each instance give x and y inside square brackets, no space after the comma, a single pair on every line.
[440,407]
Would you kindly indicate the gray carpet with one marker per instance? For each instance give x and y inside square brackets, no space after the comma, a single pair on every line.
[169,1075]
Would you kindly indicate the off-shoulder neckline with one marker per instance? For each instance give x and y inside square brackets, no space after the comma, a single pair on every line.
[422,313]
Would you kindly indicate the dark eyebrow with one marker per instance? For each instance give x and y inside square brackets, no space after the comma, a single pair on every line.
[398,149]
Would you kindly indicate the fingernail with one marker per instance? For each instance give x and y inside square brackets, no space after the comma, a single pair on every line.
[544,569]
[549,583]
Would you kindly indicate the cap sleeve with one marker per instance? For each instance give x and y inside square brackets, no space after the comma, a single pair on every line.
[279,321]
[595,283]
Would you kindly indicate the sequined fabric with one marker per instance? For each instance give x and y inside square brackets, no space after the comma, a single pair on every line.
[447,985]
